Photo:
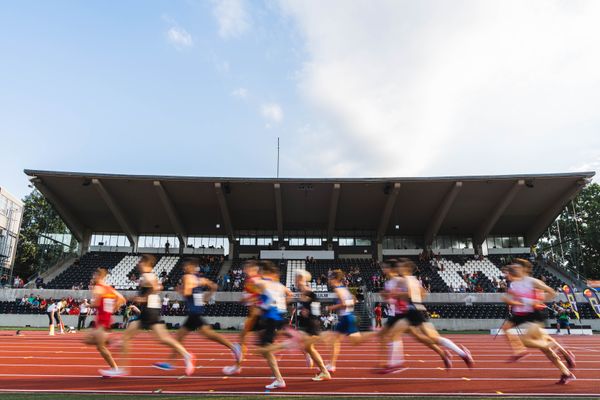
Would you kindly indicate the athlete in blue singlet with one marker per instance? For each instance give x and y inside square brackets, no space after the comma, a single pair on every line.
[273,304]
[346,325]
[197,291]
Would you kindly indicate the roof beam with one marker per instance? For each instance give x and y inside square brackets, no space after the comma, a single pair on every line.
[171,213]
[224,211]
[333,206]
[546,218]
[278,211]
[387,211]
[76,228]
[116,211]
[441,213]
[484,230]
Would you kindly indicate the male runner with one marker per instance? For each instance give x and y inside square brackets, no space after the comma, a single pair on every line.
[250,300]
[411,290]
[196,296]
[105,300]
[523,296]
[273,303]
[346,325]
[150,305]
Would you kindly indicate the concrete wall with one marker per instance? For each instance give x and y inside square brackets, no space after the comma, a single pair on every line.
[38,321]
[20,320]
[10,294]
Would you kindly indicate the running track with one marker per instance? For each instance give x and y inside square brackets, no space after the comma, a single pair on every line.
[37,363]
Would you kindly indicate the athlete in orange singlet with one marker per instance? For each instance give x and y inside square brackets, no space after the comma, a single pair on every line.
[106,300]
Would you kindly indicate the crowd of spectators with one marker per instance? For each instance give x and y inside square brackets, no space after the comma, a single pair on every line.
[37,302]
[17,281]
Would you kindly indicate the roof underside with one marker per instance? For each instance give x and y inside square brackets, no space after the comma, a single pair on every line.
[306,203]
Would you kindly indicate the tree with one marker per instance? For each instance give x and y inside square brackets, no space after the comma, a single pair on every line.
[576,233]
[39,220]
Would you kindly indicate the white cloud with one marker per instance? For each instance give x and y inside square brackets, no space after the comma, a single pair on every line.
[232,18]
[179,37]
[240,93]
[271,112]
[440,88]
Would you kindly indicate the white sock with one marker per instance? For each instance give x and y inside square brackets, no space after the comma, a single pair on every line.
[396,351]
[449,344]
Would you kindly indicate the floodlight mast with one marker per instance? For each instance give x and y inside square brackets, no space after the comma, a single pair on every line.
[277,156]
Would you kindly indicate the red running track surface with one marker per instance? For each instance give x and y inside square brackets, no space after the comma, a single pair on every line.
[36,362]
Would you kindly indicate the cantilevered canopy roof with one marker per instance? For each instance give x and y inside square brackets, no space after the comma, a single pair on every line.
[474,206]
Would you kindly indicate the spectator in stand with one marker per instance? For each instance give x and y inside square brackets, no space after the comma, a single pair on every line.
[39,282]
[378,313]
[84,311]
[167,247]
[165,305]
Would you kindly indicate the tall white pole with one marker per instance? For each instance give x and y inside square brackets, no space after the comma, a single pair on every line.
[278,157]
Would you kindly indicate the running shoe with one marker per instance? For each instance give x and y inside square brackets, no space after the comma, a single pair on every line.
[309,360]
[517,357]
[321,377]
[447,361]
[112,372]
[277,384]
[232,370]
[392,369]
[237,352]
[570,360]
[467,358]
[330,368]
[164,366]
[565,379]
[189,364]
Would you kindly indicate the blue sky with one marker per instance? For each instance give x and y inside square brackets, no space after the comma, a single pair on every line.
[353,88]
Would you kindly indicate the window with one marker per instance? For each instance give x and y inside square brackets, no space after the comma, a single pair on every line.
[264,241]
[363,242]
[297,241]
[248,241]
[313,241]
[346,241]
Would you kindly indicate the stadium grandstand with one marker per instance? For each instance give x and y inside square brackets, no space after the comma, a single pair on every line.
[460,231]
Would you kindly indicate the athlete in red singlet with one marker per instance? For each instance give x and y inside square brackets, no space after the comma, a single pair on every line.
[106,300]
[250,299]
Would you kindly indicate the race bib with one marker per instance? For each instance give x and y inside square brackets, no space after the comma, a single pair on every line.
[349,305]
[153,301]
[315,308]
[198,299]
[281,304]
[108,305]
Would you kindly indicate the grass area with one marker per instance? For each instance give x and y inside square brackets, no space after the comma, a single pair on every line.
[35,396]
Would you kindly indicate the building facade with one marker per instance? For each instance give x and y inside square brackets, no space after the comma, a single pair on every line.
[11,214]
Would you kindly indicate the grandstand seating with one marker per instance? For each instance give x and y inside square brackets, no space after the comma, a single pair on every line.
[119,276]
[235,309]
[446,274]
[452,272]
[121,266]
[80,273]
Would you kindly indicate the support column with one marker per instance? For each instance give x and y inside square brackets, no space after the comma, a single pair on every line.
[116,211]
[84,243]
[278,211]
[489,223]
[441,213]
[387,211]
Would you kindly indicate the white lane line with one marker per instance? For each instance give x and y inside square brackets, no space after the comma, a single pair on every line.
[287,367]
[307,393]
[299,378]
